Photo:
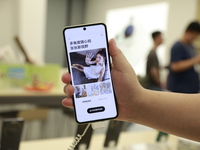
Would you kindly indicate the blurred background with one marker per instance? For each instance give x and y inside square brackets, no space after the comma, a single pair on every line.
[33,29]
[39,24]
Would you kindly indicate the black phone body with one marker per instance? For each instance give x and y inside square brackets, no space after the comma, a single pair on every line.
[89,65]
[11,133]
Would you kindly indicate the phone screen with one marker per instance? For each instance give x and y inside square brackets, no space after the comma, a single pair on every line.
[89,66]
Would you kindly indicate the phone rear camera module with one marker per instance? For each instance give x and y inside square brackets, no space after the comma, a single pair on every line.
[84,28]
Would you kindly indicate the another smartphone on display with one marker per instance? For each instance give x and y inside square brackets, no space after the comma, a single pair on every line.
[11,133]
[89,66]
[85,140]
[113,132]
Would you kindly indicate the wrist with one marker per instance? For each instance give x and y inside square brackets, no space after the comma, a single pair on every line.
[136,107]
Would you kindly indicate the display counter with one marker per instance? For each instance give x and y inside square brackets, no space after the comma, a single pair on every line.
[49,98]
[97,141]
[12,91]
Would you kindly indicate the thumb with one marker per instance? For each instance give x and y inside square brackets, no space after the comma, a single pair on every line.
[119,60]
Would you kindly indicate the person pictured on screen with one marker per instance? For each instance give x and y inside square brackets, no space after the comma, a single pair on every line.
[183,77]
[152,65]
[174,113]
[96,69]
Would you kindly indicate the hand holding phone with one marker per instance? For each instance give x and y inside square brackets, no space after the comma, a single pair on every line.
[89,64]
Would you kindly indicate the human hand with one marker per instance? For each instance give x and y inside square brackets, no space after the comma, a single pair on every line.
[88,58]
[127,88]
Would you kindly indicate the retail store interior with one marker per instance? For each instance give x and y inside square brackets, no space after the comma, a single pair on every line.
[33,59]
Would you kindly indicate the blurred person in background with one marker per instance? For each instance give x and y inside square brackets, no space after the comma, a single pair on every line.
[183,78]
[152,66]
[153,70]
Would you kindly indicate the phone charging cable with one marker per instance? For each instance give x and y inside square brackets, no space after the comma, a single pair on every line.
[96,125]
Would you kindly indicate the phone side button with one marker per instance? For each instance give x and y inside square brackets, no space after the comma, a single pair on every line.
[95,109]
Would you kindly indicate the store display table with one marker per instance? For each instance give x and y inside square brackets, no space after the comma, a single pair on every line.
[126,139]
[49,98]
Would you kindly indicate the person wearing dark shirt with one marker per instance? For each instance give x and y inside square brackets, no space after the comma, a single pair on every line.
[183,78]
[152,66]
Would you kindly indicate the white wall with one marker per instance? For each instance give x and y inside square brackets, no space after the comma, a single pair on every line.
[180,14]
[56,20]
[32,27]
[9,22]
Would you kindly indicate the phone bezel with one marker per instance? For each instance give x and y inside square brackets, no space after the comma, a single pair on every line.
[68,63]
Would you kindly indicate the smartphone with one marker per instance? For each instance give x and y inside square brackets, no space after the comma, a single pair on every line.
[85,141]
[89,65]
[11,133]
